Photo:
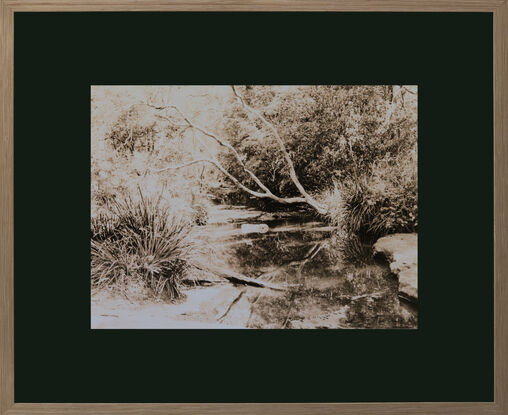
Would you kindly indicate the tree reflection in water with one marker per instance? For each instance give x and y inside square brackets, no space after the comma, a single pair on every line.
[325,291]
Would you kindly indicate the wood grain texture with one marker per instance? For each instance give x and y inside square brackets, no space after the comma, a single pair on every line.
[501,205]
[254,5]
[6,210]
[500,10]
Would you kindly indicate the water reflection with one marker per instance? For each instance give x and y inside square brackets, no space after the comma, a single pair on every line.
[325,291]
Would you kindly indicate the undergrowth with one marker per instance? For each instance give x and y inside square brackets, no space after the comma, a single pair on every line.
[140,241]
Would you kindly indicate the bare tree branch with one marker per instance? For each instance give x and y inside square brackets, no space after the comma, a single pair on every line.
[288,200]
[320,208]
[267,192]
[217,139]
[408,90]
[396,90]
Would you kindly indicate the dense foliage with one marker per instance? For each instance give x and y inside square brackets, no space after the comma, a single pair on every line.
[130,134]
[357,140]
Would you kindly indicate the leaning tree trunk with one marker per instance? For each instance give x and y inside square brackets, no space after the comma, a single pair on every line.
[265,192]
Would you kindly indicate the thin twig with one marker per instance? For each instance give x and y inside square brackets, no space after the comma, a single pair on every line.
[237,298]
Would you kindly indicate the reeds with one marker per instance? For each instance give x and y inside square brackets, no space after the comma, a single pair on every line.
[140,241]
[379,202]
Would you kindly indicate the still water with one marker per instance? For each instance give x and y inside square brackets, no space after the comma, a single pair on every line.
[298,252]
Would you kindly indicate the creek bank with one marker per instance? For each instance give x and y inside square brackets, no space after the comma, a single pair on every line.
[401,251]
[285,276]
[219,306]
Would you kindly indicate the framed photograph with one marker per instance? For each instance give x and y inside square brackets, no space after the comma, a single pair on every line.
[251,207]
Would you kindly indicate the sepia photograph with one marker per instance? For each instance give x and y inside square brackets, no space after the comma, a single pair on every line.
[254,207]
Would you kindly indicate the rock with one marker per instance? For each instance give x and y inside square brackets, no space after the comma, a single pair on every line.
[408,284]
[401,251]
[262,228]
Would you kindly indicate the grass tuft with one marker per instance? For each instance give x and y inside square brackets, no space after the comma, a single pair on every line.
[140,241]
[377,203]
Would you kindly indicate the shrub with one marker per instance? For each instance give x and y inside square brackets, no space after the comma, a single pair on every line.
[331,133]
[198,205]
[200,214]
[382,202]
[140,241]
[386,201]
[101,198]
[130,133]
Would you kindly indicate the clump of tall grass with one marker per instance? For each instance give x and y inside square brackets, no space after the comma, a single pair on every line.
[379,202]
[141,241]
[103,226]
[384,203]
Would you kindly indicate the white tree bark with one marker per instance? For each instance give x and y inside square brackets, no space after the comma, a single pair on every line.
[266,193]
[292,173]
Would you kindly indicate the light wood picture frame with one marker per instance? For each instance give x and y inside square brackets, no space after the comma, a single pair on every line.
[499,8]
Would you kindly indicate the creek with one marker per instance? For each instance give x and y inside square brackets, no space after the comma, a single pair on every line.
[298,252]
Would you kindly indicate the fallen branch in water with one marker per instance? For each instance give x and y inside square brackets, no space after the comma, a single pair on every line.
[309,256]
[236,278]
[202,281]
